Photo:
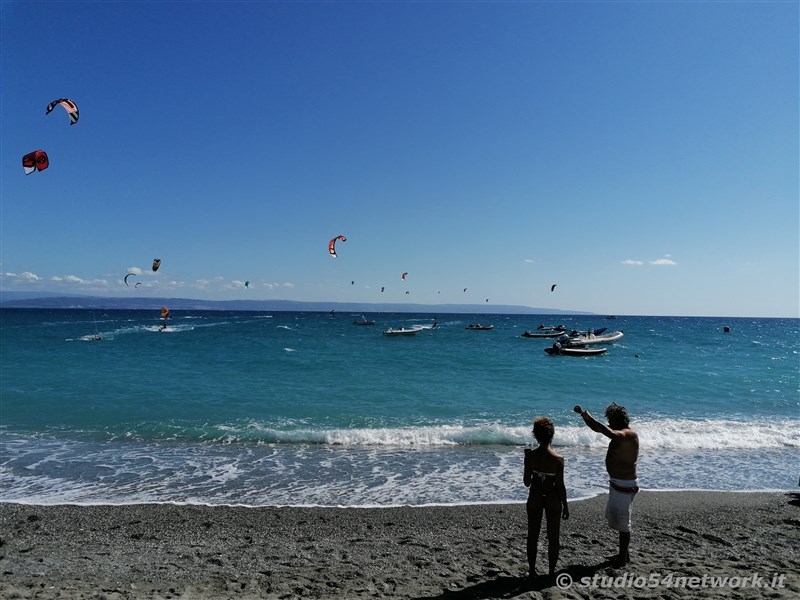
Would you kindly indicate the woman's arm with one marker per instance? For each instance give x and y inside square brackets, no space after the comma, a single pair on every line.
[562,490]
[526,473]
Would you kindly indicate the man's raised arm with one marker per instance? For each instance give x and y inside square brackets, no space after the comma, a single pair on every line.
[594,424]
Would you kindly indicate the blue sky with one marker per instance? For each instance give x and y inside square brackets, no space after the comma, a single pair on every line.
[642,156]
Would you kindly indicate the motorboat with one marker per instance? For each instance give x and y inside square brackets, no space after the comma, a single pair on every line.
[402,331]
[575,332]
[594,338]
[558,349]
[478,327]
[543,333]
[363,321]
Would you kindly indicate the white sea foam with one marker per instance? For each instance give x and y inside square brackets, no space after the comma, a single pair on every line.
[674,434]
[326,475]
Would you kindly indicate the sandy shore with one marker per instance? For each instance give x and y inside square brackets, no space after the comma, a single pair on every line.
[165,551]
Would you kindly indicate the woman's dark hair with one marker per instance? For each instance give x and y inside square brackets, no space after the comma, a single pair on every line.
[617,416]
[543,430]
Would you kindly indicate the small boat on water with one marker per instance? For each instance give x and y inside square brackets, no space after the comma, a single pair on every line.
[402,331]
[595,338]
[363,321]
[543,334]
[587,331]
[478,327]
[558,350]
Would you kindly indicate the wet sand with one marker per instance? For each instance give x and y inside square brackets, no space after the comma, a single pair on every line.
[461,552]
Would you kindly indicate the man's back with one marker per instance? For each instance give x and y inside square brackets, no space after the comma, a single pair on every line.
[623,452]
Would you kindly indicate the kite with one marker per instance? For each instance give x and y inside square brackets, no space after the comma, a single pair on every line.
[404,276]
[332,244]
[69,106]
[138,284]
[552,287]
[125,279]
[35,161]
[156,264]
[465,289]
[246,284]
[381,288]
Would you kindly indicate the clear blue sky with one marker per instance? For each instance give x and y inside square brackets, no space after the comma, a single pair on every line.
[642,156]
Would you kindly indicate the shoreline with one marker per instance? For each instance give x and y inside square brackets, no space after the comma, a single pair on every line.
[382,506]
[450,551]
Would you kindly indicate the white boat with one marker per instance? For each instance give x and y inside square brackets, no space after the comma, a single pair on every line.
[403,331]
[591,338]
[543,334]
[559,350]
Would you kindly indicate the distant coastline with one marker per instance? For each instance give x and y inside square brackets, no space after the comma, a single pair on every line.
[61,301]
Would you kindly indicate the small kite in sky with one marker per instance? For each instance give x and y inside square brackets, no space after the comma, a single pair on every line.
[156,264]
[552,287]
[247,284]
[404,276]
[69,106]
[332,244]
[35,161]
[125,279]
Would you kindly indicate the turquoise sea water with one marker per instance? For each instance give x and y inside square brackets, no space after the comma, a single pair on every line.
[308,409]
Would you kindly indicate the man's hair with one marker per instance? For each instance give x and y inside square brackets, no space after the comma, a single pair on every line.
[543,430]
[617,416]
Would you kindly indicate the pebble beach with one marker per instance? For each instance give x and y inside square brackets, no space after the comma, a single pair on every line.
[682,542]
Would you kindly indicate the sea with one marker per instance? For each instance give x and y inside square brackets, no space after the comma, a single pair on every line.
[309,409]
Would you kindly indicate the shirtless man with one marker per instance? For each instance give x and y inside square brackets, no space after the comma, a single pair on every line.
[623,451]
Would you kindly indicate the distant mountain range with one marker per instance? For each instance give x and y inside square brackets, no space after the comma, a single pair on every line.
[52,300]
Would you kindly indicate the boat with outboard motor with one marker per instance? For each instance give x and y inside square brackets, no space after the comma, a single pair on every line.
[544,333]
[591,337]
[558,349]
[478,327]
[402,331]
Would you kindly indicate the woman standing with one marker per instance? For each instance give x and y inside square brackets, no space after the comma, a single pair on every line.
[544,475]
